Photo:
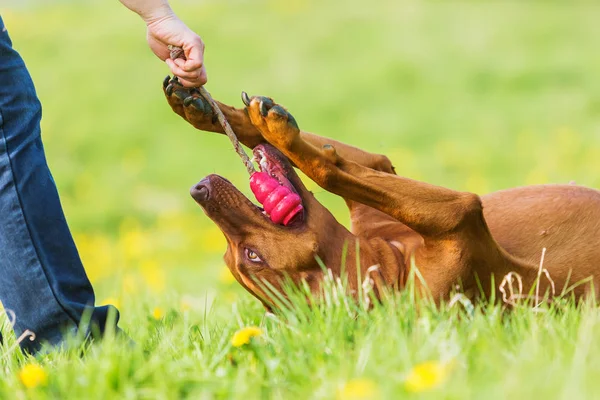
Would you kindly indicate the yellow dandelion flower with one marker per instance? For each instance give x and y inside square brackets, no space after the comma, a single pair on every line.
[158,313]
[33,375]
[358,389]
[243,336]
[426,376]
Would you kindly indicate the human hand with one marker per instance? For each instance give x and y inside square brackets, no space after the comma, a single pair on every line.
[170,30]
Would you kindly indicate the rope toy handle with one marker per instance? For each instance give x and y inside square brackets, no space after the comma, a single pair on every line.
[177,52]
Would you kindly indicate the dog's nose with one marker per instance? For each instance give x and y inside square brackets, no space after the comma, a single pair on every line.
[201,191]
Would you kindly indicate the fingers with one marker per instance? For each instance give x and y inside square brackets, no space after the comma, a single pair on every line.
[190,70]
[194,78]
[203,78]
[176,68]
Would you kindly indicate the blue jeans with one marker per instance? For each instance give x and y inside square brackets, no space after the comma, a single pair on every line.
[42,279]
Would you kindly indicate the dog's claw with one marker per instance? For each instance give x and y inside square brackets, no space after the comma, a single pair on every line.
[263,109]
[188,100]
[245,99]
[166,81]
[169,89]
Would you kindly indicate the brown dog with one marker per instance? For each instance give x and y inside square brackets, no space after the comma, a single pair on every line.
[453,238]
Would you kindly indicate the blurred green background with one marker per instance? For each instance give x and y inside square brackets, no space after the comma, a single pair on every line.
[472,95]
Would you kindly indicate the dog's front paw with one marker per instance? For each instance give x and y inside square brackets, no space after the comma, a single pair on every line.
[189,104]
[275,123]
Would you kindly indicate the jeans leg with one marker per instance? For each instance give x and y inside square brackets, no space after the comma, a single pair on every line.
[41,275]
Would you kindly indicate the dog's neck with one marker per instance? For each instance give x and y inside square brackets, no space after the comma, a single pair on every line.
[360,258]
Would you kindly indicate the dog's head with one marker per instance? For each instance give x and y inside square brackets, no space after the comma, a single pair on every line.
[259,250]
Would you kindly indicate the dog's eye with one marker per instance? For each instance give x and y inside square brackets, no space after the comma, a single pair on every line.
[252,256]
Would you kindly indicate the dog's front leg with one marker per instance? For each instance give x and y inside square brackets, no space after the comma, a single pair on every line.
[191,106]
[429,210]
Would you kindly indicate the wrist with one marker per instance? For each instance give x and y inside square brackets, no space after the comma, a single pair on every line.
[158,14]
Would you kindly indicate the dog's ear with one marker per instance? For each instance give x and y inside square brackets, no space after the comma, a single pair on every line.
[299,252]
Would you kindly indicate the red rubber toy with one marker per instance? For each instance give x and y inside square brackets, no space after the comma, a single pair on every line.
[279,202]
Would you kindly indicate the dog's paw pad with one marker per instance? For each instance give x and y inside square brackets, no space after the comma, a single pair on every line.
[276,124]
[280,113]
[172,86]
[201,105]
[181,93]
[189,103]
[264,105]
[188,100]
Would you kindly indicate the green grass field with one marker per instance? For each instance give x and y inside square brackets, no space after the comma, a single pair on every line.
[470,95]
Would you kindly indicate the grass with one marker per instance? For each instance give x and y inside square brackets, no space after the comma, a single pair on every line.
[474,96]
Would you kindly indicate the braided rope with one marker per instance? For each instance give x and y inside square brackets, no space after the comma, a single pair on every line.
[177,52]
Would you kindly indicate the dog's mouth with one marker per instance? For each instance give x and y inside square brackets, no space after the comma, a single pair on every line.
[214,189]
[270,164]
